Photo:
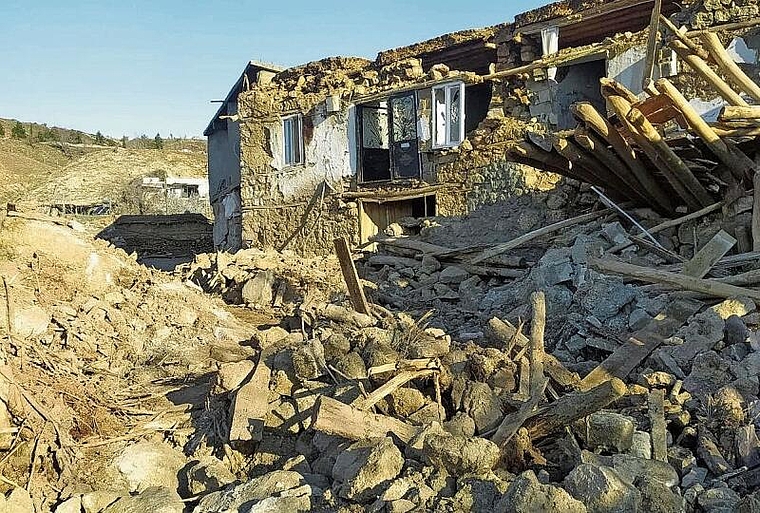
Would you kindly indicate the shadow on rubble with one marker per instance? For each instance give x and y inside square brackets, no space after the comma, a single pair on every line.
[161,241]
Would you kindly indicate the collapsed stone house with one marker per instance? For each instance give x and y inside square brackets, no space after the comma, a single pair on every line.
[346,146]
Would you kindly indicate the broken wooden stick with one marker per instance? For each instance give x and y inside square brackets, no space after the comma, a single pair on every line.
[355,289]
[715,249]
[514,421]
[654,32]
[393,384]
[536,352]
[336,418]
[656,403]
[732,113]
[686,40]
[571,407]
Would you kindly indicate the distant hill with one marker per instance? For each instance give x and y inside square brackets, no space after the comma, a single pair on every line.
[47,164]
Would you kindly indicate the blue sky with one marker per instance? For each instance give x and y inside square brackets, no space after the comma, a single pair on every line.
[128,67]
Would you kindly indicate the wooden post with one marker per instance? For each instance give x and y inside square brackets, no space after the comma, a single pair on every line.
[355,289]
[739,164]
[571,407]
[732,112]
[536,353]
[651,56]
[627,356]
[721,57]
[673,161]
[588,114]
[706,72]
[335,418]
[708,256]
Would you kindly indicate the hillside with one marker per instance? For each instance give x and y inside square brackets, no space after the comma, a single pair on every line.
[23,167]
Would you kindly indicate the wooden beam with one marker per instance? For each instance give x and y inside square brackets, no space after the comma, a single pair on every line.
[355,289]
[756,213]
[588,114]
[715,249]
[656,403]
[641,344]
[711,288]
[672,160]
[739,164]
[732,112]
[335,418]
[536,352]
[684,38]
[393,384]
[726,63]
[651,55]
[701,67]
[596,172]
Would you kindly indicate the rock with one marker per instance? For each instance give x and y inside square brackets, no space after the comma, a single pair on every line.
[405,401]
[460,455]
[477,494]
[608,431]
[453,275]
[729,407]
[365,467]
[527,495]
[150,464]
[205,476]
[483,405]
[72,505]
[703,331]
[351,365]
[309,360]
[257,291]
[638,319]
[719,500]
[281,490]
[750,503]
[681,459]
[602,490]
[735,332]
[604,297]
[154,499]
[460,424]
[232,375]
[615,233]
[631,468]
[658,498]
[709,372]
[734,306]
[18,501]
[552,269]
[94,502]
[335,346]
[697,475]
[657,379]
[29,322]
[430,264]
[641,446]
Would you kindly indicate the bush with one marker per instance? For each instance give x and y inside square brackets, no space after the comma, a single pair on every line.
[18,131]
[2,130]
[99,139]
[158,142]
[76,138]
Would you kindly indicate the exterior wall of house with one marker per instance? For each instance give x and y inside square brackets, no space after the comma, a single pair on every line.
[224,183]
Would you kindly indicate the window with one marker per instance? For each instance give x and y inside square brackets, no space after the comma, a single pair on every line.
[189,191]
[448,115]
[293,140]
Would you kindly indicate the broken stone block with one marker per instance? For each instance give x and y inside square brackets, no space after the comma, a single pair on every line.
[483,405]
[459,455]
[257,291]
[351,365]
[709,372]
[718,500]
[681,459]
[453,274]
[615,233]
[638,319]
[657,379]
[728,407]
[205,476]
[460,424]
[641,445]
[696,475]
[747,446]
[630,468]
[553,268]
[406,400]
[658,498]
[149,464]
[734,306]
[735,332]
[154,499]
[335,346]
[430,264]
[604,297]
[231,375]
[281,490]
[309,360]
[608,431]
[602,490]
[18,501]
[527,495]
[365,467]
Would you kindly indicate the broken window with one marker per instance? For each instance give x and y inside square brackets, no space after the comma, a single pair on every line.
[448,115]
[190,191]
[293,140]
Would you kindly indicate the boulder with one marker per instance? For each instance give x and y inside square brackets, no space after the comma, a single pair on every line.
[602,490]
[460,455]
[527,495]
[365,467]
[154,499]
[453,274]
[149,464]
[609,431]
[719,500]
[257,291]
[658,498]
[18,501]
[205,476]
[281,490]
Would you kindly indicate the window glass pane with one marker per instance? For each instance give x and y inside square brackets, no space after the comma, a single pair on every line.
[404,122]
[455,114]
[375,127]
[440,114]
[288,139]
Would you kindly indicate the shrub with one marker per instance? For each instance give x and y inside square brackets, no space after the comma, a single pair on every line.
[18,131]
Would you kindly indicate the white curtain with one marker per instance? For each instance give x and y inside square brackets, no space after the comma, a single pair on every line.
[550,45]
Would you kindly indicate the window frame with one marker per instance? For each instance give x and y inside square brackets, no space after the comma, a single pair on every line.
[297,155]
[447,88]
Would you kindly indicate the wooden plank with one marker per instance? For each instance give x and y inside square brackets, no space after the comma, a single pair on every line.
[524,239]
[571,407]
[355,289]
[335,418]
[627,356]
[711,288]
[732,113]
[651,55]
[657,421]
[708,256]
[514,421]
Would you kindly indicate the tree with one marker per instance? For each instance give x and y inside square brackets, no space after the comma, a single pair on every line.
[99,139]
[124,141]
[76,138]
[18,132]
[2,130]
[158,142]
